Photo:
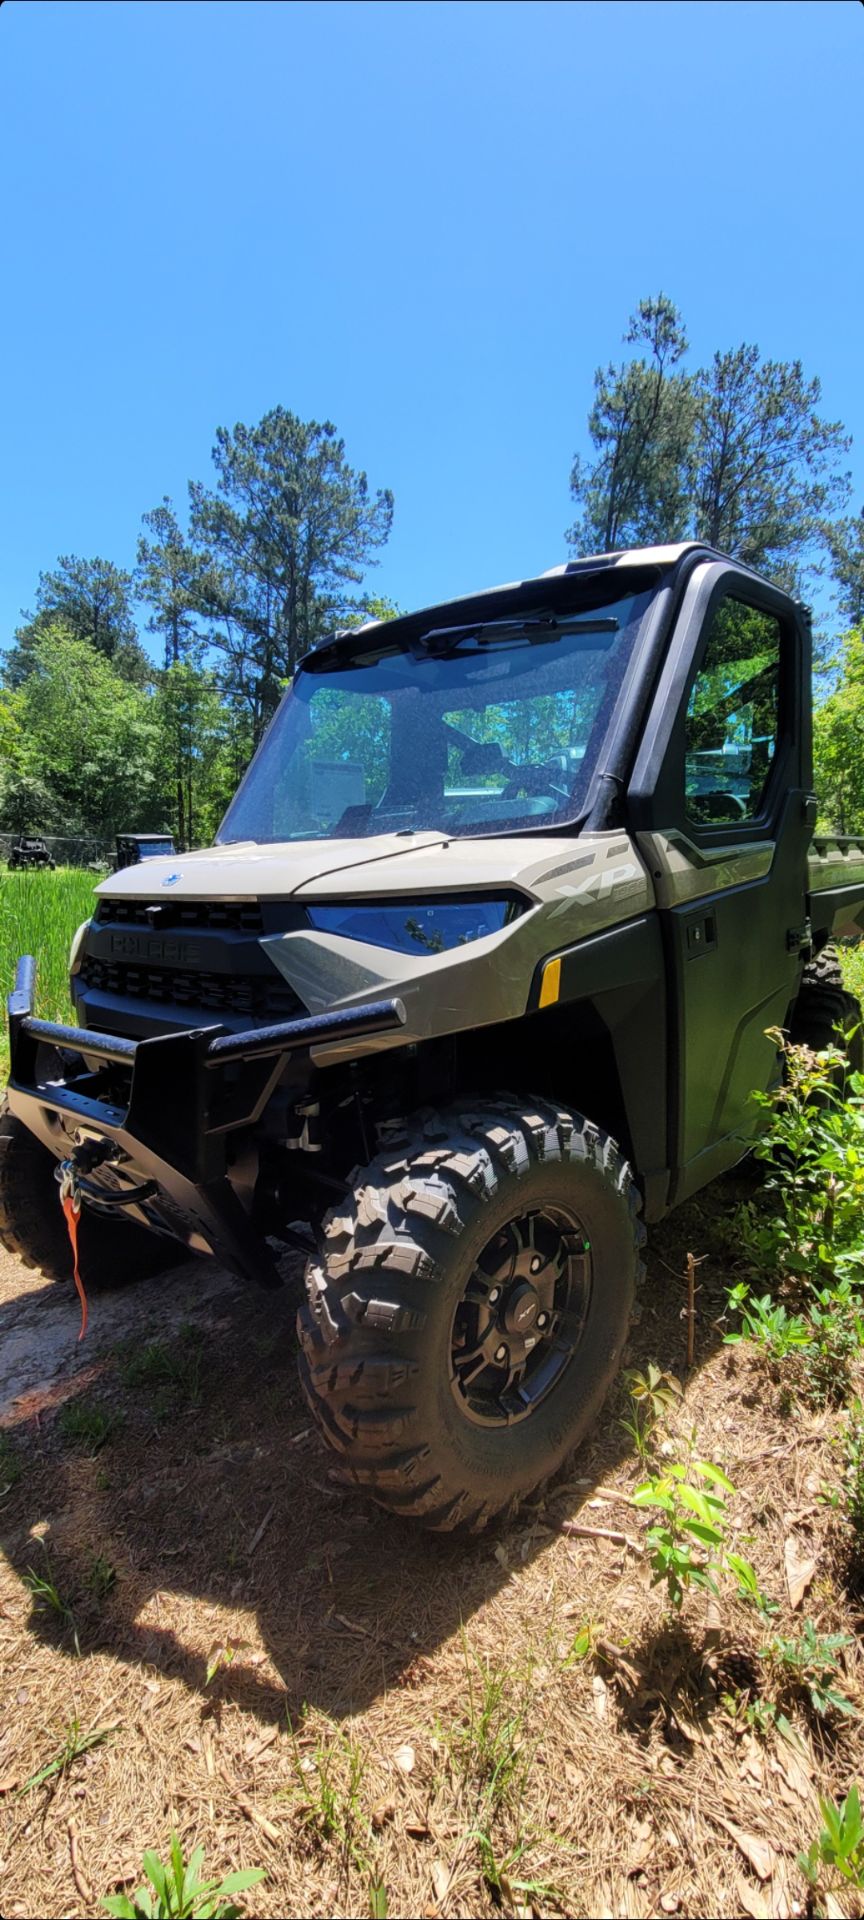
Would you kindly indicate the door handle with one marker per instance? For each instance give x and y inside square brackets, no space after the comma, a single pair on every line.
[701,929]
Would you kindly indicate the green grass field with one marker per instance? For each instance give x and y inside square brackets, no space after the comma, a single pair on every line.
[39,913]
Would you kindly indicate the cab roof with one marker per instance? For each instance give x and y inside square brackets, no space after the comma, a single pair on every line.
[551,588]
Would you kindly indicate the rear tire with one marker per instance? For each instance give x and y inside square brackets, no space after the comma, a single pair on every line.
[32,1227]
[823,1005]
[425,1283]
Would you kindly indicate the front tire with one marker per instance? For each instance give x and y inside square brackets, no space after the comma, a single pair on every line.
[468,1314]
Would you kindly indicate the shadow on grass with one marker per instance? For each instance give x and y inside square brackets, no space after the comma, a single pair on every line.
[214,1489]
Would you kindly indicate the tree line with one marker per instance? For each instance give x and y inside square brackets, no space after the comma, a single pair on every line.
[96,737]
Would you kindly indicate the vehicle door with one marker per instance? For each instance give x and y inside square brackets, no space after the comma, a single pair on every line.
[720,800]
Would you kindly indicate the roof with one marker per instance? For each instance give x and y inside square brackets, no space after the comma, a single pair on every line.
[519,593]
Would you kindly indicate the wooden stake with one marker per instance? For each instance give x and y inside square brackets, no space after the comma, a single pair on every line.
[689,1312]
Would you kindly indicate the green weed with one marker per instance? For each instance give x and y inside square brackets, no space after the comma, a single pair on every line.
[74,1745]
[488,1748]
[48,1599]
[809,1662]
[509,1893]
[176,1366]
[836,1323]
[852,964]
[747,1583]
[176,1892]
[101,1577]
[87,1424]
[10,1466]
[329,1782]
[838,1854]
[223,1655]
[581,1646]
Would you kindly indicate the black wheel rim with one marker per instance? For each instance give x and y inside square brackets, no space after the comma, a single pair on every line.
[521,1317]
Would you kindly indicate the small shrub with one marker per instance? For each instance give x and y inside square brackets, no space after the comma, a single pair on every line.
[652,1394]
[178,1894]
[807,1230]
[836,1323]
[686,1544]
[813,1149]
[767,1325]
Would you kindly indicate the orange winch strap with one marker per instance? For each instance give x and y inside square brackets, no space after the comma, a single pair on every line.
[72,1216]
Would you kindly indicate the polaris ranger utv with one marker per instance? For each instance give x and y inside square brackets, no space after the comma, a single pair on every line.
[476,978]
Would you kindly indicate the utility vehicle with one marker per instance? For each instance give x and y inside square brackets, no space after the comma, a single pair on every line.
[132,848]
[477,979]
[30,851]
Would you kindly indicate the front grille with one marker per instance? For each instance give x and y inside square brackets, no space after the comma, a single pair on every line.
[256,998]
[232,916]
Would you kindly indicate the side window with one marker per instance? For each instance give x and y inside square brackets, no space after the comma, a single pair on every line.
[732,717]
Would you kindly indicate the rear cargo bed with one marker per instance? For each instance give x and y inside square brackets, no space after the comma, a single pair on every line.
[835,866]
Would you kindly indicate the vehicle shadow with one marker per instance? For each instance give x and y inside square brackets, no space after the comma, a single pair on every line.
[212,1487]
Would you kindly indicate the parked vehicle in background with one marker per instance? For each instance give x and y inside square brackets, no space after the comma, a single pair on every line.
[134,847]
[30,851]
[479,977]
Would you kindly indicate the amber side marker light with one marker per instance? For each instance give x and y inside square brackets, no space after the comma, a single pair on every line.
[550,985]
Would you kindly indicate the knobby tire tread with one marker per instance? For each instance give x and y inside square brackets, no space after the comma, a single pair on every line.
[385,1254]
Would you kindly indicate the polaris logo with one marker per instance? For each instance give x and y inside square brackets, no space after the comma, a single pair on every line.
[163,952]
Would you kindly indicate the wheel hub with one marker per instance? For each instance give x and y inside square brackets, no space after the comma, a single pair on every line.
[521,1316]
[522,1308]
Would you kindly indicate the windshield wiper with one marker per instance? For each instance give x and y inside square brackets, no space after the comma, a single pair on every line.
[437,643]
[440,641]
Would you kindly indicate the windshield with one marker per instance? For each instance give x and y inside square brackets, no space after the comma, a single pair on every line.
[479,729]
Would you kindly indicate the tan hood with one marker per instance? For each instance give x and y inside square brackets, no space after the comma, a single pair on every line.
[244,870]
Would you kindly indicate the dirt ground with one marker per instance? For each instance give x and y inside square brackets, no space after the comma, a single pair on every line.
[396,1722]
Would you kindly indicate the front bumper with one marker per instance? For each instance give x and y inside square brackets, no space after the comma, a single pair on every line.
[169,1105]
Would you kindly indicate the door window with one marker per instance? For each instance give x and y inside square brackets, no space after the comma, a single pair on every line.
[732,717]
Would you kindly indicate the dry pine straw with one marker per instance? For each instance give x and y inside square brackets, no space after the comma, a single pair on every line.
[633,1791]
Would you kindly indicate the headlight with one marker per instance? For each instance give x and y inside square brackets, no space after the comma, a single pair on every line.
[75,949]
[419,926]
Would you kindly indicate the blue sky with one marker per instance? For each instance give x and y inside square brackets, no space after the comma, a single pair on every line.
[426,222]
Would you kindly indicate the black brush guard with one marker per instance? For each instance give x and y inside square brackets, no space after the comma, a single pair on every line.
[187,1092]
